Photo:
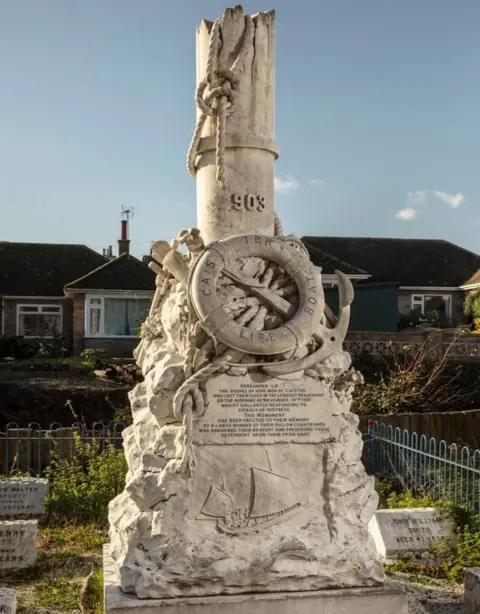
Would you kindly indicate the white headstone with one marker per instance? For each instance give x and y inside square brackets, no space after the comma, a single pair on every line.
[8,601]
[471,598]
[410,531]
[18,543]
[23,497]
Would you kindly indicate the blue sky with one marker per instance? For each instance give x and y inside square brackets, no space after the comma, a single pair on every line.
[377,117]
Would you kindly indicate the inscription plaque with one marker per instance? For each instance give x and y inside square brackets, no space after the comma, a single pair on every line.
[256,408]
[398,531]
[18,543]
[23,497]
[8,601]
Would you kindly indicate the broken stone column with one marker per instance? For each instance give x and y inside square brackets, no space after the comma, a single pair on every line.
[246,59]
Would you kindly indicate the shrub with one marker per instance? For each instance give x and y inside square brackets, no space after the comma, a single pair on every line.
[82,487]
[471,306]
[418,381]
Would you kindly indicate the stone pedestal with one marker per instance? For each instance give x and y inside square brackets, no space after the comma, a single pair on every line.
[386,599]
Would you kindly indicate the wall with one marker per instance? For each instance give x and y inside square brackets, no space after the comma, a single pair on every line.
[374,307]
[121,348]
[436,341]
[458,298]
[10,315]
[78,300]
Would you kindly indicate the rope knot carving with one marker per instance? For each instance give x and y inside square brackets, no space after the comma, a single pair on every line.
[209,95]
[215,97]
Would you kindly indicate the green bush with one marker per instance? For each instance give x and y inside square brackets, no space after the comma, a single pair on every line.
[471,306]
[407,499]
[417,382]
[82,487]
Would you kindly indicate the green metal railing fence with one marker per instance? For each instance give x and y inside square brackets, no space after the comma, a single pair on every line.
[425,466]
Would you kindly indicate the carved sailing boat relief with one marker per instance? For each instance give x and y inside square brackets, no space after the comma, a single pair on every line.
[272,500]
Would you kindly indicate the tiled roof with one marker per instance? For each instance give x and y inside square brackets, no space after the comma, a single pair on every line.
[474,280]
[122,273]
[330,263]
[409,262]
[43,269]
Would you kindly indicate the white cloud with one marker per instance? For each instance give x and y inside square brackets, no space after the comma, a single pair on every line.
[407,214]
[416,198]
[286,186]
[317,181]
[419,198]
[454,200]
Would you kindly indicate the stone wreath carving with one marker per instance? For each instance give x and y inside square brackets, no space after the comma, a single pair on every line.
[255,303]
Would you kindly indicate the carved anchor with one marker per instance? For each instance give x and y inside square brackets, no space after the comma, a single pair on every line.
[331,339]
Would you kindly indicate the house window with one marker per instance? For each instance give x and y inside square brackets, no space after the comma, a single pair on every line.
[433,304]
[34,321]
[115,316]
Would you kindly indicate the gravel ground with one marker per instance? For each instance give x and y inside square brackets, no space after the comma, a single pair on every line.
[433,599]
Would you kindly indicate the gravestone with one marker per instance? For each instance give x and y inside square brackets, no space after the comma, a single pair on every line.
[245,488]
[8,601]
[471,597]
[23,497]
[404,533]
[18,544]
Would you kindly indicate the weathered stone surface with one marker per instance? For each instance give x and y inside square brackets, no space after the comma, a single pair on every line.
[8,601]
[471,599]
[174,536]
[22,497]
[18,543]
[386,599]
[408,532]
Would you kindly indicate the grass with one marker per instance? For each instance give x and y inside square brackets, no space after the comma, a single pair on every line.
[74,539]
[67,576]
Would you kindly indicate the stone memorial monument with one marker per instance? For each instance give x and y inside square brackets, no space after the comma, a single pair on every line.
[244,480]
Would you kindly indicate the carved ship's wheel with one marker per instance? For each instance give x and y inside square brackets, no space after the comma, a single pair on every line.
[223,259]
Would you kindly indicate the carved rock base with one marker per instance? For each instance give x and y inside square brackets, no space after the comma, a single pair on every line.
[278,500]
[386,599]
[256,517]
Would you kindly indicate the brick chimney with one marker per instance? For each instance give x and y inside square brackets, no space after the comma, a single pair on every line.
[124,241]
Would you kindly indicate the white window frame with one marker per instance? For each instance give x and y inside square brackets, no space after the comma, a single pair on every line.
[40,308]
[418,300]
[89,306]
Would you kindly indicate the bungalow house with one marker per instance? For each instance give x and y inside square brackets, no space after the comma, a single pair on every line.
[109,305]
[32,278]
[402,276]
[91,300]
